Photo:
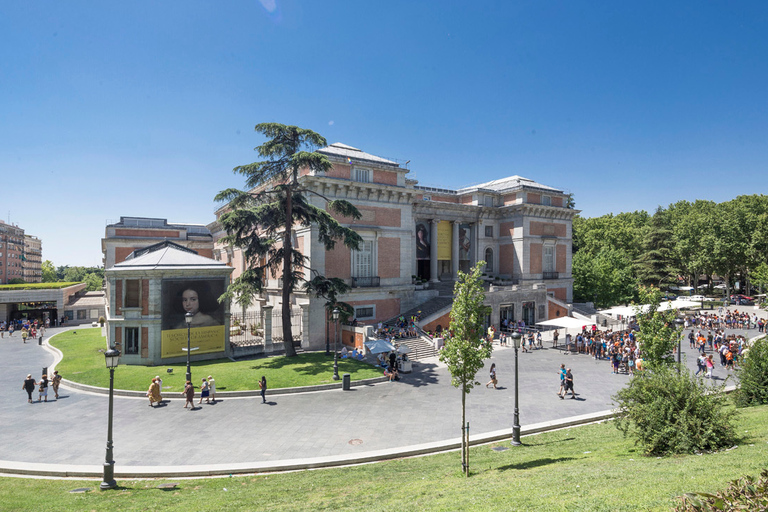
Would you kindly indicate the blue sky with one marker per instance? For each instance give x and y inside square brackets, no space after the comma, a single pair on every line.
[143,108]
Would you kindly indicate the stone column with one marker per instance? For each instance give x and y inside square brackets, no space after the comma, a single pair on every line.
[433,251]
[266,322]
[304,326]
[455,250]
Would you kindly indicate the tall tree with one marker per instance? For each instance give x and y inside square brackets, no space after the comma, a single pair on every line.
[466,348]
[655,265]
[261,220]
[658,335]
[49,272]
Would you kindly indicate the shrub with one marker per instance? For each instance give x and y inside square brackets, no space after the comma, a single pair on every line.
[753,376]
[669,412]
[743,494]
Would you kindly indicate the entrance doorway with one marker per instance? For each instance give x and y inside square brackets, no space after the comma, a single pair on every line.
[529,313]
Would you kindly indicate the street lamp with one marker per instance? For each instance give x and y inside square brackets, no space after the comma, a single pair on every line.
[188,319]
[327,335]
[679,322]
[111,356]
[335,345]
[516,425]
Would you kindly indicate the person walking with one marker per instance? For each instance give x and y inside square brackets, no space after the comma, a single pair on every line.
[212,388]
[493,377]
[561,391]
[569,383]
[555,336]
[189,394]
[43,389]
[205,392]
[55,383]
[263,389]
[29,387]
[710,366]
[154,393]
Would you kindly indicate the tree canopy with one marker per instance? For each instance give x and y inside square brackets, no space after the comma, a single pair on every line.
[614,255]
[261,221]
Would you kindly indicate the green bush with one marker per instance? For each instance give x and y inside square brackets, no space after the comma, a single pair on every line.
[743,494]
[669,412]
[753,376]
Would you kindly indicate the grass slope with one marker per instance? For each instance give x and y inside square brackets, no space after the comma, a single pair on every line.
[591,468]
[83,362]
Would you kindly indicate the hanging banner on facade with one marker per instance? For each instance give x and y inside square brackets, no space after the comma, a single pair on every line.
[206,330]
[465,243]
[444,240]
[422,241]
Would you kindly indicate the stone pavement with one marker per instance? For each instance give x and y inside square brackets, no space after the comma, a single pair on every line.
[420,413]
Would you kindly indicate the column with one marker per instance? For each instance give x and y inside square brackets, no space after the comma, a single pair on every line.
[304,326]
[433,251]
[266,321]
[455,251]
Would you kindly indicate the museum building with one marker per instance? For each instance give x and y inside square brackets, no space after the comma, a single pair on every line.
[416,239]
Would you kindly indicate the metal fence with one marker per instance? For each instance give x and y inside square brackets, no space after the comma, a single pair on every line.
[248,330]
[277,328]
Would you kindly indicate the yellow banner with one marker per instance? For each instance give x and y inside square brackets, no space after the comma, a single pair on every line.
[444,240]
[206,339]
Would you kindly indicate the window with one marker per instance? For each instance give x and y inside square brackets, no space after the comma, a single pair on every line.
[546,200]
[131,340]
[488,200]
[81,314]
[132,293]
[489,260]
[362,260]
[364,312]
[489,231]
[363,175]
[548,263]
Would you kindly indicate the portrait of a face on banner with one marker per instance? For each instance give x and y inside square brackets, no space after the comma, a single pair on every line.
[199,298]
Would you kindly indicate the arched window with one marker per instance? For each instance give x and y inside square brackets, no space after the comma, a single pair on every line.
[489,260]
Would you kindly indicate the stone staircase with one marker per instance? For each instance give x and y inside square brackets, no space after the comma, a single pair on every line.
[420,348]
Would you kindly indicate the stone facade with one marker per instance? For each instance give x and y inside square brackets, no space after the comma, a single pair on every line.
[520,228]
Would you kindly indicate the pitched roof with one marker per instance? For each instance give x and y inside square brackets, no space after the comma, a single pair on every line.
[508,184]
[170,256]
[344,151]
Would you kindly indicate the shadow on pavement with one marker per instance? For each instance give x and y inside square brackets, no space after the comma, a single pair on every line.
[423,374]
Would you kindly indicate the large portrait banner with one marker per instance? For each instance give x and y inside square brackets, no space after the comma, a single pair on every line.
[206,329]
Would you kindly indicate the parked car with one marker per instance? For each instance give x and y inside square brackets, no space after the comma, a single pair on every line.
[739,296]
[697,298]
[744,301]
[668,296]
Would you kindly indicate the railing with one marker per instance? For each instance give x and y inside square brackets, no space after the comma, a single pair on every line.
[366,282]
[551,275]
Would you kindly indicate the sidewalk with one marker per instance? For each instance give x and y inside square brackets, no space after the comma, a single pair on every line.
[419,414]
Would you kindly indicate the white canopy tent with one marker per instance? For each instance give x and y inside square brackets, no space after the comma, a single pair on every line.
[567,322]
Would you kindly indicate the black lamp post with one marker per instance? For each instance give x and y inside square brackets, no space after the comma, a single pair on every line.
[327,335]
[188,319]
[516,425]
[679,322]
[336,345]
[112,355]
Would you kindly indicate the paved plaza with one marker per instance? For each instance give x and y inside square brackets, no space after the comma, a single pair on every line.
[314,428]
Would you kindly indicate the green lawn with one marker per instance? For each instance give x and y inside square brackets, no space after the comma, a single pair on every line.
[84,363]
[591,468]
[37,286]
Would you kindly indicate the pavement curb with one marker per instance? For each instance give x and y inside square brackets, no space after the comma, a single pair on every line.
[228,394]
[58,356]
[241,468]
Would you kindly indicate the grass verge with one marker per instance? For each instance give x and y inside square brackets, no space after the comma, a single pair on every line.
[83,362]
[590,468]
